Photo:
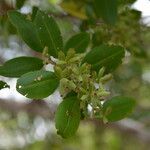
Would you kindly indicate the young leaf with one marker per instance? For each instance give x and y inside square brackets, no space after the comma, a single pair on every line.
[107,9]
[118,108]
[3,85]
[20,65]
[105,56]
[49,33]
[37,84]
[67,116]
[27,30]
[79,42]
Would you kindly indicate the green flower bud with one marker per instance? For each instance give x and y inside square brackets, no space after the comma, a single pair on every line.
[45,51]
[61,56]
[101,72]
[82,90]
[83,68]
[94,102]
[58,71]
[64,81]
[94,75]
[75,70]
[63,87]
[84,97]
[61,62]
[74,59]
[104,93]
[65,73]
[80,79]
[71,85]
[70,54]
[106,78]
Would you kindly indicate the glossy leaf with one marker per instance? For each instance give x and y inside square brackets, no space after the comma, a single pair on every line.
[27,30]
[67,116]
[37,84]
[49,33]
[79,42]
[107,9]
[3,85]
[20,65]
[105,56]
[118,108]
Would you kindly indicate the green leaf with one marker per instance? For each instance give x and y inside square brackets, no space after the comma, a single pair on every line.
[20,65]
[27,30]
[34,12]
[3,85]
[107,9]
[20,3]
[49,33]
[37,84]
[105,56]
[79,42]
[126,2]
[67,116]
[118,108]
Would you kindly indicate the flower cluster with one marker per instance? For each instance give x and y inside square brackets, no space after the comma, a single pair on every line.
[80,78]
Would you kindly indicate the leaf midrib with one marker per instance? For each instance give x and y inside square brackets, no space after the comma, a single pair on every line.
[35,83]
[11,71]
[109,57]
[82,41]
[53,43]
[69,118]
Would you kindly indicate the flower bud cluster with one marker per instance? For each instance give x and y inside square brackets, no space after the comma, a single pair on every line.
[79,77]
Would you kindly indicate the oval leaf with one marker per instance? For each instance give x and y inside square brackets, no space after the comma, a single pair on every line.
[118,108]
[79,42]
[49,33]
[107,9]
[27,30]
[19,66]
[67,117]
[37,84]
[105,56]
[3,85]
